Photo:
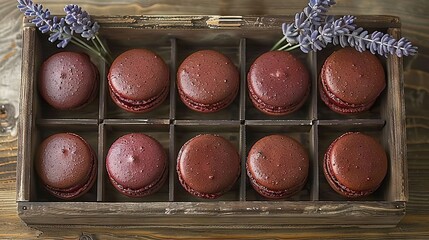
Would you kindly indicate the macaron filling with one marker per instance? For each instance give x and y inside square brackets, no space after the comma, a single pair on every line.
[338,105]
[202,194]
[201,107]
[339,109]
[138,105]
[276,110]
[272,193]
[338,186]
[78,190]
[144,191]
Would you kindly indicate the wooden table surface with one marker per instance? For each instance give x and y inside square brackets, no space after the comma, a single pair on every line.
[415,18]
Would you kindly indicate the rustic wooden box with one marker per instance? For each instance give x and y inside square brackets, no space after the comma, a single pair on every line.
[242,39]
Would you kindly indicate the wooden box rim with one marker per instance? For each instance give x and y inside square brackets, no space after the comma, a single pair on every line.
[254,214]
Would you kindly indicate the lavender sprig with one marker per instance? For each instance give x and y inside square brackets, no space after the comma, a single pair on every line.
[80,21]
[42,20]
[313,30]
[63,29]
[312,16]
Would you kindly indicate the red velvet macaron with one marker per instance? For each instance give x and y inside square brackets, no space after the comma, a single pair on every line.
[137,165]
[138,80]
[208,166]
[207,81]
[277,166]
[351,81]
[66,165]
[278,83]
[355,164]
[68,80]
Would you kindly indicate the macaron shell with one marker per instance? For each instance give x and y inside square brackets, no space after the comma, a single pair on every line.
[136,161]
[207,108]
[138,74]
[275,111]
[207,77]
[138,106]
[78,191]
[278,163]
[208,165]
[64,161]
[147,190]
[357,161]
[334,106]
[353,77]
[68,80]
[278,79]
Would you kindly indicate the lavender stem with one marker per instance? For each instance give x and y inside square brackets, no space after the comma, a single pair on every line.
[285,46]
[104,48]
[95,44]
[290,48]
[278,43]
[83,45]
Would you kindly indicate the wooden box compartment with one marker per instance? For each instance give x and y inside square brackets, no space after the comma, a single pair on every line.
[242,39]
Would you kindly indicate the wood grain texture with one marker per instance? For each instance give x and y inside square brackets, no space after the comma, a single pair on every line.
[415,26]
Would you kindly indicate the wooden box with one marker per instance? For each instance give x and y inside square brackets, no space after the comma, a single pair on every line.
[242,39]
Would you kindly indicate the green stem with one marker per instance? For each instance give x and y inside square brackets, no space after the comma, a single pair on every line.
[285,46]
[278,43]
[85,44]
[89,48]
[104,48]
[95,44]
[292,48]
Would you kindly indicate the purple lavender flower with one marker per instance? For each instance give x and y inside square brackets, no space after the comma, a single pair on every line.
[378,42]
[59,31]
[62,29]
[316,11]
[80,21]
[313,30]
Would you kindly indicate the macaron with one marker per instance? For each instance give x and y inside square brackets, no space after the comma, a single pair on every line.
[355,164]
[207,81]
[68,80]
[208,166]
[351,81]
[138,80]
[278,83]
[137,165]
[277,166]
[66,165]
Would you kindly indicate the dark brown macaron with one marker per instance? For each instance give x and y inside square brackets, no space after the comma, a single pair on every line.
[207,81]
[68,80]
[66,165]
[355,164]
[277,166]
[351,81]
[138,80]
[208,166]
[137,165]
[278,83]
